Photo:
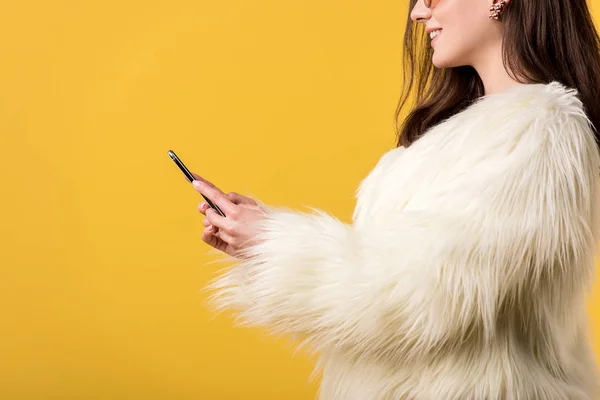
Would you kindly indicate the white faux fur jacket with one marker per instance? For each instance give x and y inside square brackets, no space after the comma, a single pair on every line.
[464,273]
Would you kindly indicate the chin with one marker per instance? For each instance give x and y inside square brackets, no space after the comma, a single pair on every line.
[439,61]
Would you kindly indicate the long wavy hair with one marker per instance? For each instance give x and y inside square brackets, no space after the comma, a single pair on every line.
[544,41]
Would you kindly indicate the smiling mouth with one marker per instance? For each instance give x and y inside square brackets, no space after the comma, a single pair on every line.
[435,34]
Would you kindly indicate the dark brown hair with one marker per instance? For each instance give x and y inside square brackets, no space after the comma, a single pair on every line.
[544,41]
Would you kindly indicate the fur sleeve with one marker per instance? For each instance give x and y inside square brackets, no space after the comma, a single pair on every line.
[515,235]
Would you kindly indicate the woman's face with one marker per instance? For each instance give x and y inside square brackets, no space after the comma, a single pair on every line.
[467,33]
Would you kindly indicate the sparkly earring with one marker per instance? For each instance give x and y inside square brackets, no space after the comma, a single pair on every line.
[496,10]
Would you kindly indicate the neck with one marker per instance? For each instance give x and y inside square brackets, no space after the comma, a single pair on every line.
[491,70]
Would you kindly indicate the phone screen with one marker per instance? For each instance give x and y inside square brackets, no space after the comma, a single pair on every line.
[190,178]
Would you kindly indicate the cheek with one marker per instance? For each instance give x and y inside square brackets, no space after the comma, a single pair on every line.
[460,43]
[466,28]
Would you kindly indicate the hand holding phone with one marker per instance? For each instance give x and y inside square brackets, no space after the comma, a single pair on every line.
[190,178]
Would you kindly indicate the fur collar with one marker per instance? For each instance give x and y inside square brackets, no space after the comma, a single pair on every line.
[510,125]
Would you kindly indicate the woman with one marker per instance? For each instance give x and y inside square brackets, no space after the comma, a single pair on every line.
[464,272]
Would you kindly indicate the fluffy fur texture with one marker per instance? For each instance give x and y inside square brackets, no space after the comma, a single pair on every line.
[464,272]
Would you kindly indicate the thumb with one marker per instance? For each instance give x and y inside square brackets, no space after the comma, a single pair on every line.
[199,178]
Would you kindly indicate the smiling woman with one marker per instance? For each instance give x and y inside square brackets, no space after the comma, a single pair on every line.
[100,254]
[464,272]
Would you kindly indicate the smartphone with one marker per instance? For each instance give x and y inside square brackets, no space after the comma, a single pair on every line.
[190,178]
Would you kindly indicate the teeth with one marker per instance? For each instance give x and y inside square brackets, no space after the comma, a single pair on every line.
[433,34]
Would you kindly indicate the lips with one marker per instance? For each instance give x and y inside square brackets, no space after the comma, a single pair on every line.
[432,29]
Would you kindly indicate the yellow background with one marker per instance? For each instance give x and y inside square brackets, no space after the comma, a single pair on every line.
[100,272]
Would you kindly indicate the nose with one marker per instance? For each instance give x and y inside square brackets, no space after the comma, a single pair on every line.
[420,13]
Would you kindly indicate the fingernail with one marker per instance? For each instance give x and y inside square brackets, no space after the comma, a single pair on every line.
[211,227]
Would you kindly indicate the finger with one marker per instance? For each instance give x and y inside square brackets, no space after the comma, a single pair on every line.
[206,223]
[224,236]
[213,240]
[202,207]
[211,228]
[216,196]
[204,183]
[216,219]
[209,237]
[237,198]
[199,178]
